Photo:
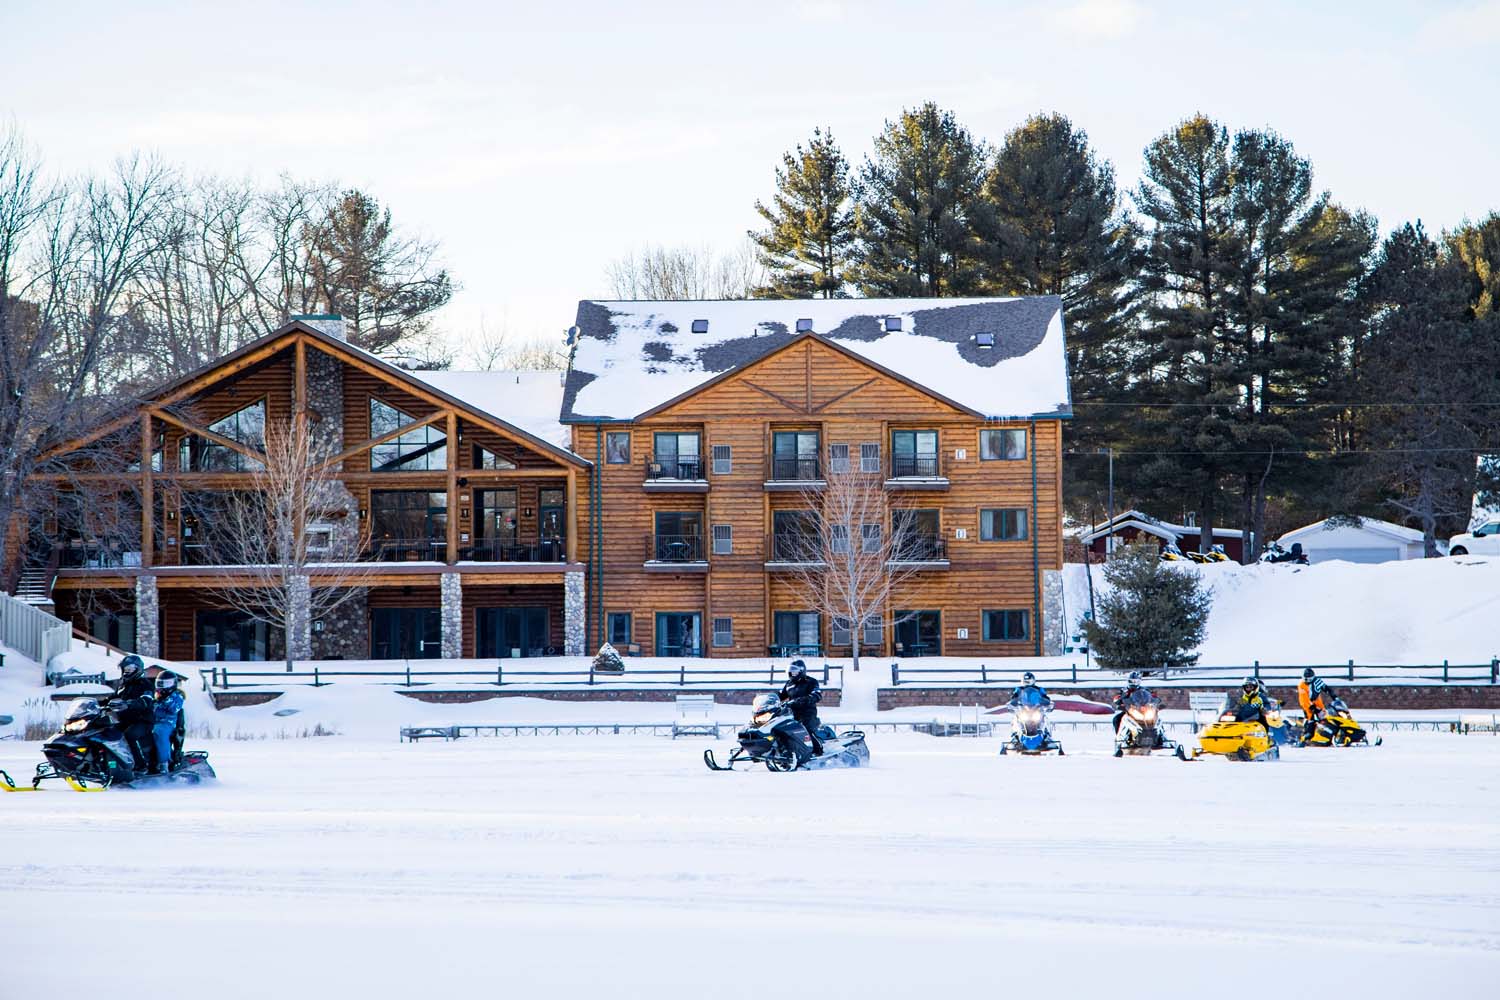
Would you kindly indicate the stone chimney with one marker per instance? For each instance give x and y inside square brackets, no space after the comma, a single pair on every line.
[331,324]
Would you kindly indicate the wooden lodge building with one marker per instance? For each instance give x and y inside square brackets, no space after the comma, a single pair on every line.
[644,498]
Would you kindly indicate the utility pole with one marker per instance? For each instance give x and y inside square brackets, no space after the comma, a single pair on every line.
[1109,539]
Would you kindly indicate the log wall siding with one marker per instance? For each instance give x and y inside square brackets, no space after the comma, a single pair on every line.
[851,404]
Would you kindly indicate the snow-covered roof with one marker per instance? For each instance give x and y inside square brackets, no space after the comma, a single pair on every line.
[1151,525]
[632,357]
[529,400]
[1399,532]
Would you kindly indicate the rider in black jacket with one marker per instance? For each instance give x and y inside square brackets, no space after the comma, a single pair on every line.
[134,694]
[801,693]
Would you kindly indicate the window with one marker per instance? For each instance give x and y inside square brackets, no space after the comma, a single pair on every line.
[892,324]
[1002,445]
[1006,626]
[676,456]
[618,627]
[1002,525]
[422,449]
[869,457]
[921,537]
[679,633]
[869,638]
[869,535]
[794,455]
[246,426]
[984,340]
[486,459]
[804,326]
[839,633]
[408,524]
[838,458]
[914,453]
[723,632]
[797,630]
[723,460]
[700,326]
[795,536]
[723,539]
[872,632]
[679,536]
[617,448]
[838,538]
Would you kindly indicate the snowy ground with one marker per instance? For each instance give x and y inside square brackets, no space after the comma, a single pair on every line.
[590,866]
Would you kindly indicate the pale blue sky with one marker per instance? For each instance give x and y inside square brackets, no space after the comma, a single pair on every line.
[539,141]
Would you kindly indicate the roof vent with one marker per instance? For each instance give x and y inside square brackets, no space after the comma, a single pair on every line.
[700,326]
[892,324]
[984,339]
[804,326]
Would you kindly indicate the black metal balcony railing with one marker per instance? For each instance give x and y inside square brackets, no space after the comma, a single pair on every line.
[547,550]
[914,467]
[79,555]
[409,550]
[795,470]
[675,468]
[675,548]
[794,547]
[921,548]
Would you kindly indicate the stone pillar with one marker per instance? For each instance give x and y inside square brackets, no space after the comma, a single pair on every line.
[453,616]
[1053,625]
[147,617]
[299,618]
[573,614]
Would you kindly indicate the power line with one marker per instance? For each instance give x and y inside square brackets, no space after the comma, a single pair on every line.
[1289,403]
[1329,452]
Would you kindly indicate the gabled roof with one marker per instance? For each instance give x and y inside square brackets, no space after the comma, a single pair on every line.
[1385,529]
[478,396]
[630,358]
[1151,525]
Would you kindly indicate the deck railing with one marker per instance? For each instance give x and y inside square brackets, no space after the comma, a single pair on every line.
[224,677]
[1347,672]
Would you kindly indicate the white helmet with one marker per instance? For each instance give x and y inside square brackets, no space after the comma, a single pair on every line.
[768,702]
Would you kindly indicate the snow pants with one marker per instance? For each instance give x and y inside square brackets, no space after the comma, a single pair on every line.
[161,739]
[809,720]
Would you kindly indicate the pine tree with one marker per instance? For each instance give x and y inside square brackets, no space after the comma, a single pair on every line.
[1051,223]
[917,198]
[1185,195]
[1152,616]
[805,250]
[1475,247]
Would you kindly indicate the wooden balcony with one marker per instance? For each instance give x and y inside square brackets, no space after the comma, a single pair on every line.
[678,475]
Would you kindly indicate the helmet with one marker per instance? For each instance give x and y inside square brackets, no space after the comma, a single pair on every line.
[1134,680]
[1308,674]
[1250,684]
[797,669]
[769,702]
[1028,679]
[131,667]
[166,681]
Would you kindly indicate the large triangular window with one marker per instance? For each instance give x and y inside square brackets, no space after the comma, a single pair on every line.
[246,425]
[419,450]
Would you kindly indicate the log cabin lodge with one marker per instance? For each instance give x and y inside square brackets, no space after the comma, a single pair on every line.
[645,496]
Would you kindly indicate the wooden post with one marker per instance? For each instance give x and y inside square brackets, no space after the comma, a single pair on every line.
[708,574]
[300,430]
[572,543]
[299,386]
[452,540]
[148,498]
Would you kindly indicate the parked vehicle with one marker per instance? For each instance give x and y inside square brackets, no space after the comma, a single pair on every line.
[1274,553]
[1482,541]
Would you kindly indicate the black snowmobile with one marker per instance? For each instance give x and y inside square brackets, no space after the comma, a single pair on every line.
[91,753]
[1274,553]
[776,739]
[1140,728]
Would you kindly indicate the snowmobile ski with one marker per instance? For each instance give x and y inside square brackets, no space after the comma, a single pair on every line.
[7,785]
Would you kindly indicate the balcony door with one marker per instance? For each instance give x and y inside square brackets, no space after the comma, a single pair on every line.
[914,454]
[552,512]
[497,524]
[679,634]
[231,636]
[679,536]
[794,455]
[409,524]
[919,633]
[797,633]
[406,633]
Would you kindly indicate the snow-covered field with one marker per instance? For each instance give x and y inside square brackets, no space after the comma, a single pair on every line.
[618,866]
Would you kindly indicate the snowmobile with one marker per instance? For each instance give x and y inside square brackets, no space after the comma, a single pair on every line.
[1030,733]
[1337,728]
[1171,553]
[1139,733]
[776,739]
[1216,554]
[1238,738]
[1274,553]
[1282,732]
[90,753]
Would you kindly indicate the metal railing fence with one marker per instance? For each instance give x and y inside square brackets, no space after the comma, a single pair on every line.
[1349,672]
[225,678]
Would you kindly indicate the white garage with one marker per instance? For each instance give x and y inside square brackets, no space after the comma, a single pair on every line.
[1369,541]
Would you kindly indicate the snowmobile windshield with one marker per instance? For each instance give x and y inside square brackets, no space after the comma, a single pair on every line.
[83,708]
[1030,697]
[1142,706]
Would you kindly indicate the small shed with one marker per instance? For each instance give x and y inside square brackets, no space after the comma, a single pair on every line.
[1133,525]
[1364,541]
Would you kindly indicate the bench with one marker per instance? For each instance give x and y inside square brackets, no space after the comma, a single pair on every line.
[1479,723]
[411,734]
[695,716]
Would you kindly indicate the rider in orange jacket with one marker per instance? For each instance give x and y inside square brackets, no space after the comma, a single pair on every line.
[1315,696]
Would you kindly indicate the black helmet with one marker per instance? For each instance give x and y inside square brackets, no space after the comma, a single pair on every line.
[166,681]
[1308,674]
[1028,679]
[1250,684]
[131,667]
[796,669]
[1134,680]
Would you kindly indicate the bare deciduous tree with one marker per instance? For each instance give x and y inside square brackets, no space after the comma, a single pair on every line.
[494,348]
[685,272]
[851,556]
[294,533]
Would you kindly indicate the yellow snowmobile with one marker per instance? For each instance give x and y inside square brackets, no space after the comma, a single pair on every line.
[1337,728]
[1239,734]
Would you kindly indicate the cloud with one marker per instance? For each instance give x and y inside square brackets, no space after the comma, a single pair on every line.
[1098,18]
